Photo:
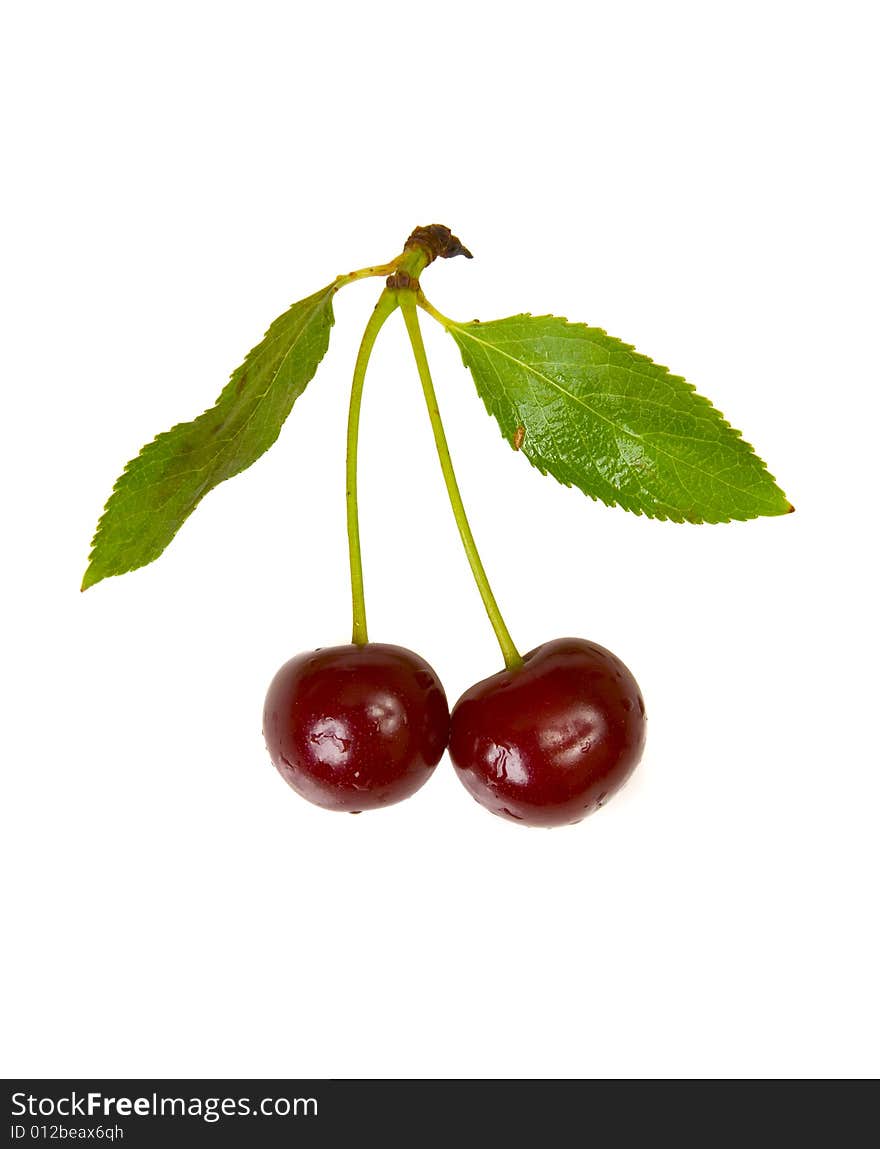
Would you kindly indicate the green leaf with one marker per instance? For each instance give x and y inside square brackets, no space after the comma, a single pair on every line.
[164,484]
[595,414]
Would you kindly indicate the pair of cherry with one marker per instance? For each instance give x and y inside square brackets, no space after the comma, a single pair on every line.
[543,743]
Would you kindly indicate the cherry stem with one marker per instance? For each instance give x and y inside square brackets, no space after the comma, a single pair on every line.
[512,657]
[386,305]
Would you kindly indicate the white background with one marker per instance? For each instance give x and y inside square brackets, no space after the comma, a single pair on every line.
[697,179]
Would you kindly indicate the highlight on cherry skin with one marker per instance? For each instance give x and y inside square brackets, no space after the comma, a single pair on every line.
[550,741]
[356,727]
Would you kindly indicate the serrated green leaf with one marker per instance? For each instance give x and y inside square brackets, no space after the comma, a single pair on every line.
[595,414]
[161,487]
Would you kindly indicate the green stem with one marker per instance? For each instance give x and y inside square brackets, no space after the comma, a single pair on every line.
[363,273]
[386,305]
[512,657]
[442,319]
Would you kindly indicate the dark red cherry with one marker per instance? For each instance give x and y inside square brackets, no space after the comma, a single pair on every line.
[550,741]
[356,727]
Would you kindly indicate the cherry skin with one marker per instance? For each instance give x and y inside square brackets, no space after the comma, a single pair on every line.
[356,727]
[550,741]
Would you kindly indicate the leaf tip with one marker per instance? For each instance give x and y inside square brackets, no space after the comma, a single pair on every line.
[89,578]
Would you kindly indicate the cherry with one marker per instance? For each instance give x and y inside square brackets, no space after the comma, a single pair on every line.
[548,742]
[356,727]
